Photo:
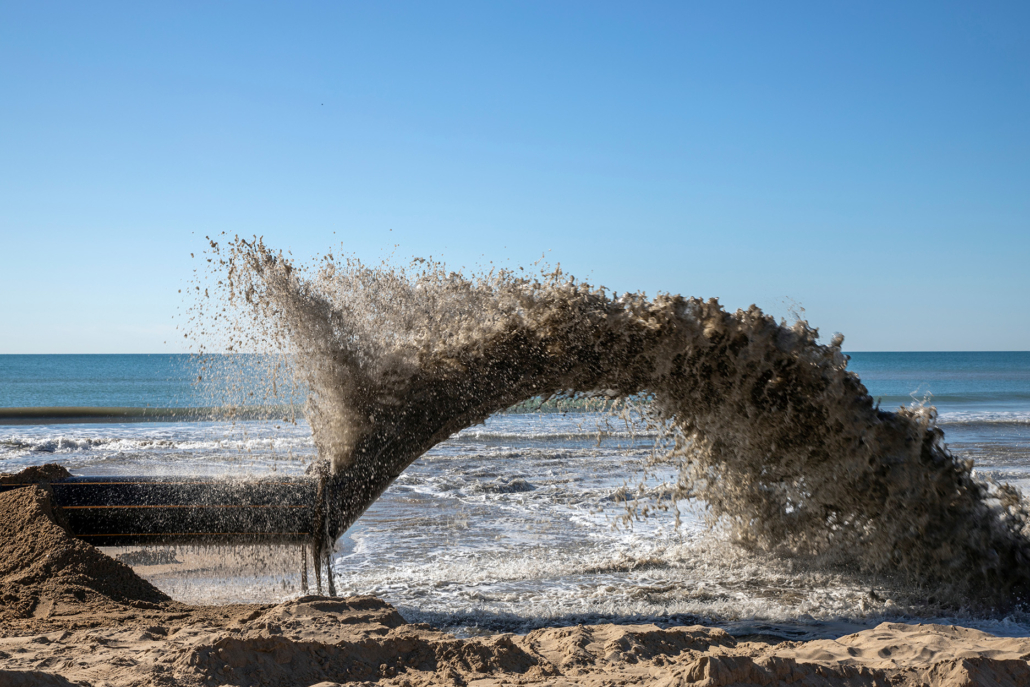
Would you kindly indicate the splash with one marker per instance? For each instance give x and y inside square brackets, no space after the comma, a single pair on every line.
[769,427]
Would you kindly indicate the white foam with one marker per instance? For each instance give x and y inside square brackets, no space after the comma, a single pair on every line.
[968,417]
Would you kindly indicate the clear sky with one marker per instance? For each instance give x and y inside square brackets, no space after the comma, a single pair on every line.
[868,161]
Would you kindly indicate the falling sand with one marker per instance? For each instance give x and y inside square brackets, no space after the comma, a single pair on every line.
[769,428]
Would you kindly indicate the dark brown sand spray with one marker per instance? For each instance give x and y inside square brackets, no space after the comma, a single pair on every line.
[769,427]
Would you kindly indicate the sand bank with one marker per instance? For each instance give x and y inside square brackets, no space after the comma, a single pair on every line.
[72,616]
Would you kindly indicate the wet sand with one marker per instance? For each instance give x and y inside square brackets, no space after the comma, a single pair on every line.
[71,615]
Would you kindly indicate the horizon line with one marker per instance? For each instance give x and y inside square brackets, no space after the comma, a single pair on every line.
[844,351]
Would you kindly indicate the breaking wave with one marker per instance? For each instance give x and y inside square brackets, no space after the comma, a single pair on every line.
[62,444]
[967,417]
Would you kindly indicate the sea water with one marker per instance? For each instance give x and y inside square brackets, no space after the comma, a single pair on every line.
[529,519]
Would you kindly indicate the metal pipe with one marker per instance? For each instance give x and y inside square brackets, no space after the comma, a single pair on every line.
[133,511]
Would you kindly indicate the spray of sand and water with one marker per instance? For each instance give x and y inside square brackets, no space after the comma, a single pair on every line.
[768,426]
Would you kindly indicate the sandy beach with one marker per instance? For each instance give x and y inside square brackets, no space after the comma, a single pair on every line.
[317,640]
[514,343]
[74,616]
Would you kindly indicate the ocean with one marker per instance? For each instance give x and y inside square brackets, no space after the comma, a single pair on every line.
[520,522]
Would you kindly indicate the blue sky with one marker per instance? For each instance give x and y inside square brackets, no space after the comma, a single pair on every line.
[868,161]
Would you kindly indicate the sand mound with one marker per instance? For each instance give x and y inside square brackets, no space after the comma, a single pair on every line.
[42,566]
[316,639]
[35,474]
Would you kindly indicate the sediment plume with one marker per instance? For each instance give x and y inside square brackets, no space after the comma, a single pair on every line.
[769,427]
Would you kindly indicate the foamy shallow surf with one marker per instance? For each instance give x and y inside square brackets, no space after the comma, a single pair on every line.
[975,417]
[160,448]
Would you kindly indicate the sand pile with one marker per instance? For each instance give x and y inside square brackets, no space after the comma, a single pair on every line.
[36,474]
[43,568]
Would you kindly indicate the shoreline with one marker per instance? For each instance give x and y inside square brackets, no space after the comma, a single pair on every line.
[71,615]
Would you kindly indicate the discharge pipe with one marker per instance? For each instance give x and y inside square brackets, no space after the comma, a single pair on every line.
[174,510]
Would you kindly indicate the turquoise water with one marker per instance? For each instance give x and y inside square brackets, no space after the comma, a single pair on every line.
[955,382]
[128,381]
[982,384]
[156,381]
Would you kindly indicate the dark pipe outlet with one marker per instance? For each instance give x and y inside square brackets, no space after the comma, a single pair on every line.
[133,511]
